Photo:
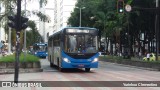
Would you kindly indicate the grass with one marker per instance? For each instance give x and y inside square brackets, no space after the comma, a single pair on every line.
[11,58]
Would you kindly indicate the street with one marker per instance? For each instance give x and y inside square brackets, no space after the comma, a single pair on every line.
[106,72]
[72,35]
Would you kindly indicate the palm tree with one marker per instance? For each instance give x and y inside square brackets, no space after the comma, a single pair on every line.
[10,6]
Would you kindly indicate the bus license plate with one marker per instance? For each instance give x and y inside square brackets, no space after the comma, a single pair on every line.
[81,65]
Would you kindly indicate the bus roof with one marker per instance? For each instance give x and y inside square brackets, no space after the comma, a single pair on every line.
[78,28]
[89,28]
[40,44]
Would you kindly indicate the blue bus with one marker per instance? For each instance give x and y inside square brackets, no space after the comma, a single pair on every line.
[74,47]
[40,50]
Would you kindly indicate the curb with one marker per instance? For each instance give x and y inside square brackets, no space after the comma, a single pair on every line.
[150,69]
[144,68]
[11,71]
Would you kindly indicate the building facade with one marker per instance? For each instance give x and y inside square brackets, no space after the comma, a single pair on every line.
[62,11]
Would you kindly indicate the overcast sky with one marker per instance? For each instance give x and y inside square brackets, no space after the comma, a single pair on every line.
[33,5]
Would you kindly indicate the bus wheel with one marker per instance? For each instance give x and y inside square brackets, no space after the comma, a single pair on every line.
[60,69]
[87,69]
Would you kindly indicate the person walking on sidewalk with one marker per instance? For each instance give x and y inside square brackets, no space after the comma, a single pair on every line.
[148,56]
[140,55]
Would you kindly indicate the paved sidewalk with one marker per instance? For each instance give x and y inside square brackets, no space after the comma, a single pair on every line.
[126,65]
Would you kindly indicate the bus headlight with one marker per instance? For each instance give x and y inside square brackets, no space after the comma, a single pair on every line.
[95,60]
[66,60]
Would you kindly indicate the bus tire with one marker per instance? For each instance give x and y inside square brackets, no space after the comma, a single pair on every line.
[59,67]
[87,69]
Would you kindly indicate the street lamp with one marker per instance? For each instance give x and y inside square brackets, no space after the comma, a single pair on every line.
[157,30]
[80,9]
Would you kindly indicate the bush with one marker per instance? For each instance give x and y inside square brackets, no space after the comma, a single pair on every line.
[111,57]
[11,58]
[118,58]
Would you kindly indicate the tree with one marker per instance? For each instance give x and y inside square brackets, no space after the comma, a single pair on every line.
[10,6]
[88,14]
[143,22]
[115,27]
[33,34]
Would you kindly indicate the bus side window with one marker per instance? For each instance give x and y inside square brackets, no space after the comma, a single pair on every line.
[65,44]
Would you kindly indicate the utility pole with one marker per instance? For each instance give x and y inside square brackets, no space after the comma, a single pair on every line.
[157,29]
[17,41]
[80,14]
[25,35]
[19,23]
[129,45]
[80,10]
[0,24]
[9,41]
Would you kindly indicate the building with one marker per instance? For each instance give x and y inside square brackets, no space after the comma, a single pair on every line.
[45,27]
[3,36]
[62,11]
[48,9]
[58,11]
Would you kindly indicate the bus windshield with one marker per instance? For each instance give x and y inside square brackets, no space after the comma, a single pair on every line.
[80,43]
[40,47]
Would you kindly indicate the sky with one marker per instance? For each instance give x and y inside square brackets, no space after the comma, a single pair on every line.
[43,28]
[33,5]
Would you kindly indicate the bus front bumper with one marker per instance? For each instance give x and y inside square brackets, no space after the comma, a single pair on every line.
[79,65]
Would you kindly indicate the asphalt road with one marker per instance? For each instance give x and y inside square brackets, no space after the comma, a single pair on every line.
[106,72]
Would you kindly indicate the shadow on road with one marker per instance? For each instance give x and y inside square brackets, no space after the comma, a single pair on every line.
[46,68]
[71,70]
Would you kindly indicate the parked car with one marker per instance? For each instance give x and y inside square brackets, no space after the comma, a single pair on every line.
[151,58]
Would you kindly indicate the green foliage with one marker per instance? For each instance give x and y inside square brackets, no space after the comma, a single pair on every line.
[11,58]
[129,2]
[114,26]
[104,15]
[33,34]
[10,8]
[117,58]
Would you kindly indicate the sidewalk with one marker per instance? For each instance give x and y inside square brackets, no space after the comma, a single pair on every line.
[133,62]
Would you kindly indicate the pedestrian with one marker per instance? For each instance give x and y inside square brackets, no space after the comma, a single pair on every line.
[148,56]
[139,54]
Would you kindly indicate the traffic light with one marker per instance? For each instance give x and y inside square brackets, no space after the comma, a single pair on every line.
[120,6]
[23,24]
[12,22]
